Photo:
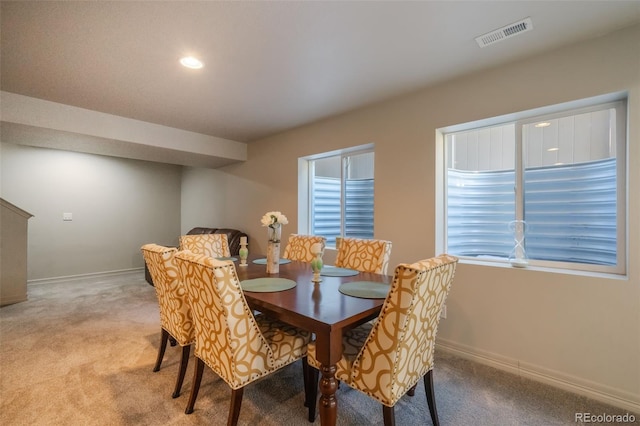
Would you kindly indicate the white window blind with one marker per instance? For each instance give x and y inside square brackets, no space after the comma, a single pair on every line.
[570,212]
[327,208]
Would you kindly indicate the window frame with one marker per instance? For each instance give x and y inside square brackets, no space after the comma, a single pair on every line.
[305,184]
[615,100]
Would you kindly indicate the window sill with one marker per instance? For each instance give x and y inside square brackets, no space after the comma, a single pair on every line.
[537,268]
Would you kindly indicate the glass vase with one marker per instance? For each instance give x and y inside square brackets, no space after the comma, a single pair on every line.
[274,233]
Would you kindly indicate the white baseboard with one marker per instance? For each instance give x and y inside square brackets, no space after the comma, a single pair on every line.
[83,276]
[618,398]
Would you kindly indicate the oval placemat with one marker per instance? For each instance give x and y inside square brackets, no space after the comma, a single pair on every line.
[365,289]
[233,259]
[267,285]
[334,271]
[263,261]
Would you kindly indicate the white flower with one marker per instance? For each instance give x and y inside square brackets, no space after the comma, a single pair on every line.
[271,218]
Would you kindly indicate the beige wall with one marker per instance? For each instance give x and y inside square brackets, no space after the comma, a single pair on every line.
[206,197]
[202,191]
[117,205]
[572,330]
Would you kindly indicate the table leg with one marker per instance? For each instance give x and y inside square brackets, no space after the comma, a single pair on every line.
[328,401]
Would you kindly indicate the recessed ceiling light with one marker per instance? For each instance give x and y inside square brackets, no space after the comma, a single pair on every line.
[191,62]
[553,149]
[543,124]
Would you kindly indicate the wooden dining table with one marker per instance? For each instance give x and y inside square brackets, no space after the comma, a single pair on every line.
[317,307]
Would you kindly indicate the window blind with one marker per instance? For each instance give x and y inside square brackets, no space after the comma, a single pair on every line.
[359,208]
[570,211]
[327,208]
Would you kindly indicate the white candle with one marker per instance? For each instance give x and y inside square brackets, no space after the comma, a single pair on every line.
[243,241]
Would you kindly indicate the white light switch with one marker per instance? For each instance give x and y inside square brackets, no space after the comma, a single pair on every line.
[67,217]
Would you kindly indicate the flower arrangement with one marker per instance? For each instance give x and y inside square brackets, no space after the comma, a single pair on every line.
[274,220]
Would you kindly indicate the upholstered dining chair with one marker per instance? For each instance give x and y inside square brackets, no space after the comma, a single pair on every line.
[364,255]
[386,359]
[175,312]
[238,346]
[299,247]
[213,245]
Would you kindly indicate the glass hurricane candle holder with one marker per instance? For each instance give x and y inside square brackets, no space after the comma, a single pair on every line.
[518,256]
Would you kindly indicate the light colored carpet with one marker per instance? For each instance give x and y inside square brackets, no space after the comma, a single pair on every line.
[81,352]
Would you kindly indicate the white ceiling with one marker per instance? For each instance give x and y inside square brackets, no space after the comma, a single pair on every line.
[269,66]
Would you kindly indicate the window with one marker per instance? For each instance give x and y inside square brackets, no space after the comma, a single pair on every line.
[545,189]
[340,195]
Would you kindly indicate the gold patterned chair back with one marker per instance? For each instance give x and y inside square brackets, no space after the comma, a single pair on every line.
[364,255]
[400,348]
[386,359]
[212,245]
[228,336]
[175,311]
[299,247]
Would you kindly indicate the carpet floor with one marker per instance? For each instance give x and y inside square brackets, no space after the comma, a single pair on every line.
[81,352]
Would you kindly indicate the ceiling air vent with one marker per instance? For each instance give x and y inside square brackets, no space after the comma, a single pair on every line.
[505,32]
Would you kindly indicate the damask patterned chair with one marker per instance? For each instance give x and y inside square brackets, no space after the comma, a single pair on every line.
[212,245]
[299,247]
[238,346]
[175,311]
[363,255]
[386,359]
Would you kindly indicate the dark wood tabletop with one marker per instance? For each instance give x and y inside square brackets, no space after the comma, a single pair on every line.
[319,308]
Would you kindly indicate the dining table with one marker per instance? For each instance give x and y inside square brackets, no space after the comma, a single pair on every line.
[319,307]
